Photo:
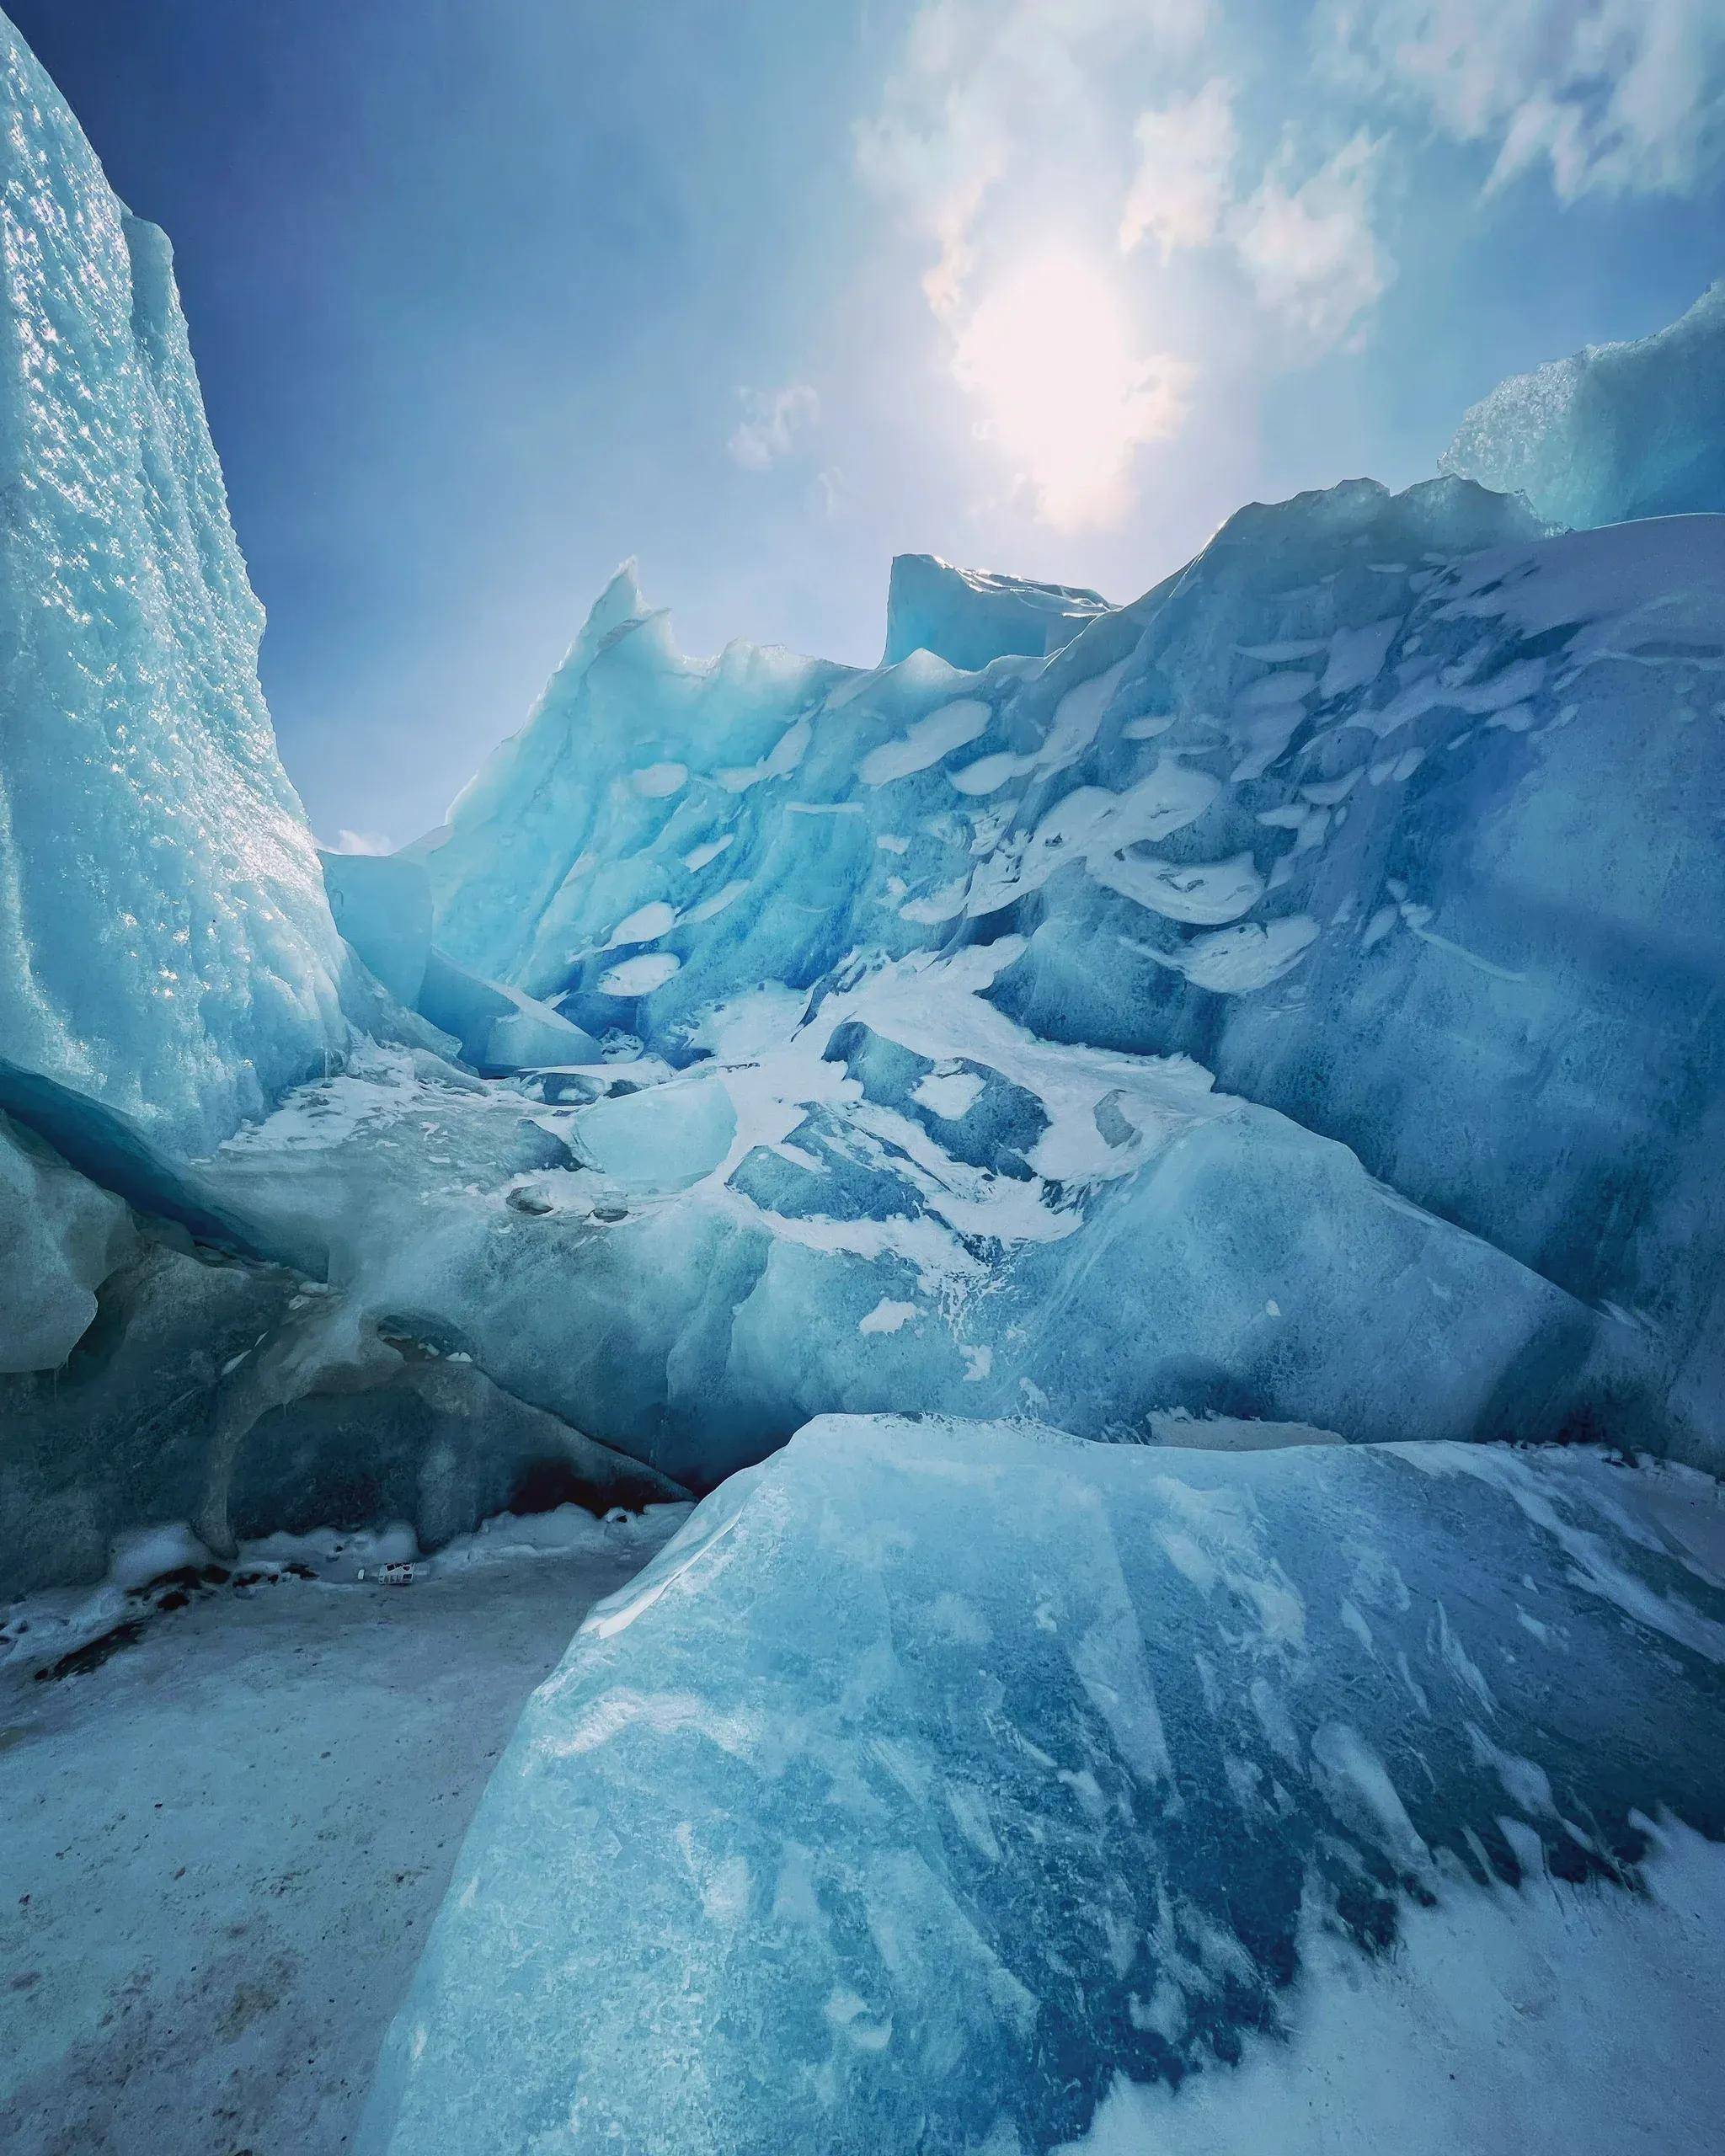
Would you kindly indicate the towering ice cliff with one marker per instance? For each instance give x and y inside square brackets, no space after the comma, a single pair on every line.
[1615,431]
[165,950]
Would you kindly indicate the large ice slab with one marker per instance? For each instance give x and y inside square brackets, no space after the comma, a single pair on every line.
[498,1027]
[1615,431]
[165,946]
[383,905]
[941,1784]
[971,616]
[239,1395]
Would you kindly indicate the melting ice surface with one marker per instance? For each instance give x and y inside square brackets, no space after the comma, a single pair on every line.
[942,1782]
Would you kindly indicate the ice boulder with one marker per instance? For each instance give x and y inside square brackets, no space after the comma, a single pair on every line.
[1614,432]
[971,616]
[165,945]
[944,1788]
[663,1138]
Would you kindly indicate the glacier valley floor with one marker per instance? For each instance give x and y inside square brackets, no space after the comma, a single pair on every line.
[226,1844]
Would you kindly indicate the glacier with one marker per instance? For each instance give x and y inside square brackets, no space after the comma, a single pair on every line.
[941,1786]
[1393,814]
[914,1034]
[1156,1167]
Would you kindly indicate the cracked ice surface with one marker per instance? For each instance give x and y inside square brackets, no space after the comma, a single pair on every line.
[689,1263]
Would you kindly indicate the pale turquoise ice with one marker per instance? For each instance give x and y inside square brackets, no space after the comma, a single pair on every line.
[383,906]
[969,616]
[1615,431]
[165,948]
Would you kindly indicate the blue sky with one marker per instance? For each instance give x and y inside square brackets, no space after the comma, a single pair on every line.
[763,291]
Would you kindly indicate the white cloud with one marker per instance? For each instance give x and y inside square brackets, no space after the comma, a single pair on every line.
[993,92]
[1050,356]
[1613,96]
[1185,154]
[998,141]
[361,842]
[1311,252]
[771,422]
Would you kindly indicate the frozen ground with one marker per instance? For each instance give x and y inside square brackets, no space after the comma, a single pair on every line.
[223,1845]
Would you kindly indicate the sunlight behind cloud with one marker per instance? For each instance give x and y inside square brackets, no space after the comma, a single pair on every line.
[1049,354]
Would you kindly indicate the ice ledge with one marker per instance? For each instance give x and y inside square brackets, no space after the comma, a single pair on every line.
[971,616]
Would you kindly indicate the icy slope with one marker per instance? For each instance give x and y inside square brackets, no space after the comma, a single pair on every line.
[165,946]
[895,1194]
[1397,816]
[1615,431]
[939,1782]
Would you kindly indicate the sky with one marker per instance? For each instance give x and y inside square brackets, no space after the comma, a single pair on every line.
[485,300]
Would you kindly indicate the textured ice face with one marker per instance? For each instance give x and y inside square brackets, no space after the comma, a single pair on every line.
[1396,816]
[165,946]
[1615,431]
[936,1774]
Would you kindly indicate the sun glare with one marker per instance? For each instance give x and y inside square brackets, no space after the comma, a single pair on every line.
[1050,356]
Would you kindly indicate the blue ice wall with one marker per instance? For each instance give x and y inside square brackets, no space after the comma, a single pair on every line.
[1397,813]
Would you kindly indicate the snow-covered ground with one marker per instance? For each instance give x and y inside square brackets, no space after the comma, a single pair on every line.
[223,1845]
[1552,2023]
